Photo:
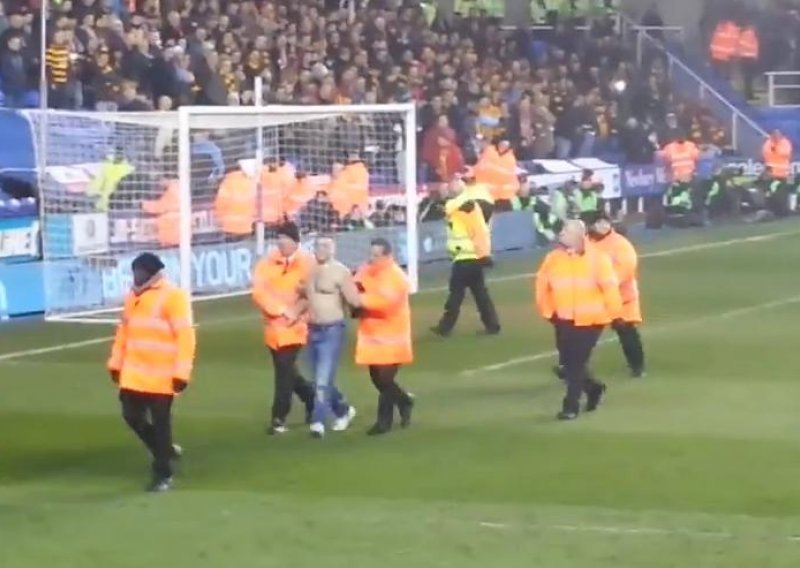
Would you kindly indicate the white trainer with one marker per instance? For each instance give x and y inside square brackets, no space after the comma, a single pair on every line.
[343,423]
[317,430]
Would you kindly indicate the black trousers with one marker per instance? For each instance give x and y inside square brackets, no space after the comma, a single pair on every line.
[575,345]
[464,275]
[390,394]
[150,417]
[288,380]
[631,342]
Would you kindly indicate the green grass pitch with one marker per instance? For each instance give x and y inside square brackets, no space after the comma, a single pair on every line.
[698,465]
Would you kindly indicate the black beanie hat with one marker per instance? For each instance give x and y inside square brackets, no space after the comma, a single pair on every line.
[148,263]
[289,229]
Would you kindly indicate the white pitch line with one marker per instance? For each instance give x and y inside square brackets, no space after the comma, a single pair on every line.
[667,252]
[620,530]
[659,329]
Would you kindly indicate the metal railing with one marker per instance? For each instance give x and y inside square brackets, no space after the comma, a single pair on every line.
[747,137]
[783,89]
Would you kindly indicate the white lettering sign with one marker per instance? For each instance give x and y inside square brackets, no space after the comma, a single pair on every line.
[22,241]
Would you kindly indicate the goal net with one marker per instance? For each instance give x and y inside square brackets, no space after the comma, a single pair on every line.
[206,188]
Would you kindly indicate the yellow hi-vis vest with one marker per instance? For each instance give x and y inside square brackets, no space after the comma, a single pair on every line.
[468,235]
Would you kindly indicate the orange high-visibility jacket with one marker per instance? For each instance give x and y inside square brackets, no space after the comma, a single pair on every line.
[167,209]
[581,287]
[277,286]
[355,180]
[275,185]
[384,331]
[339,195]
[499,172]
[682,158]
[234,205]
[778,156]
[724,41]
[748,47]
[155,340]
[302,191]
[626,265]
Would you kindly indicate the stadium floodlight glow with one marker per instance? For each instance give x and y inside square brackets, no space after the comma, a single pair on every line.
[166,168]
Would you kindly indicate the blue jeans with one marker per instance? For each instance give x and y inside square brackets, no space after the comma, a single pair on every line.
[325,344]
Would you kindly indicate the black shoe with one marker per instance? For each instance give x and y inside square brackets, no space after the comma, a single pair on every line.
[638,373]
[564,415]
[490,331]
[436,330]
[160,485]
[379,429]
[277,427]
[560,372]
[405,408]
[594,398]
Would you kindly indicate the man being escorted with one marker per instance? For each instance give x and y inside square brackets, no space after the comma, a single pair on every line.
[577,290]
[331,292]
[383,343]
[151,361]
[278,283]
[626,265]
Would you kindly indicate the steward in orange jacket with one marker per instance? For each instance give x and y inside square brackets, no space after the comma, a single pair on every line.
[578,292]
[777,153]
[383,342]
[497,168]
[235,204]
[151,361]
[682,156]
[626,265]
[166,210]
[276,181]
[278,281]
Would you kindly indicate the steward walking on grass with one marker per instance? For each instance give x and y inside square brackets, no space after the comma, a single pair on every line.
[278,282]
[626,266]
[577,290]
[470,247]
[151,361]
[383,342]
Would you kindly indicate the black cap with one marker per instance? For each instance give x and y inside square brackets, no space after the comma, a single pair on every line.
[290,230]
[147,262]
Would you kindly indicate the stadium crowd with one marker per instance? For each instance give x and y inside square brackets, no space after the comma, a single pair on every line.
[560,93]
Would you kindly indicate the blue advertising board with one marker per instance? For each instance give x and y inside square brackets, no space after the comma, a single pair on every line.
[21,289]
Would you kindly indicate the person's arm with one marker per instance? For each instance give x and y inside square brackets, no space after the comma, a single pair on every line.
[609,286]
[386,297]
[543,292]
[179,317]
[263,297]
[348,289]
[117,356]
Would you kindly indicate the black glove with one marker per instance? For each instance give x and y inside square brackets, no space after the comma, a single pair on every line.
[179,385]
[486,262]
[114,377]
[467,207]
[356,313]
[360,287]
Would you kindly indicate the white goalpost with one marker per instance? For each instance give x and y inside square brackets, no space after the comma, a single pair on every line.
[206,187]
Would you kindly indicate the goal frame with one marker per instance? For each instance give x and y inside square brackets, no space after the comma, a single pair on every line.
[187,117]
[187,113]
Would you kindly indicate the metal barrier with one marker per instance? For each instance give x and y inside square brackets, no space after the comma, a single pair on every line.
[783,89]
[747,137]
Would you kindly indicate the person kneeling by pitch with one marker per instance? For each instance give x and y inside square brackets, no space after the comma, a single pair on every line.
[151,361]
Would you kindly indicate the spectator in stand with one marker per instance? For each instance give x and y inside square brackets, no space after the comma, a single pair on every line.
[14,66]
[441,154]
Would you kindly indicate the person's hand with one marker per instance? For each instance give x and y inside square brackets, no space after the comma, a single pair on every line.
[114,377]
[291,315]
[179,385]
[360,287]
[356,313]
